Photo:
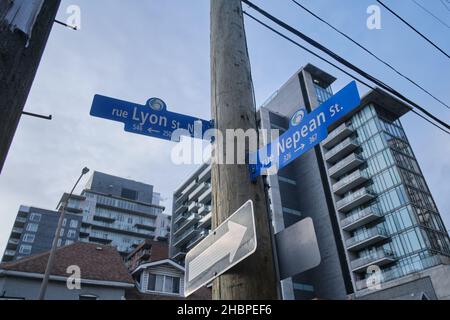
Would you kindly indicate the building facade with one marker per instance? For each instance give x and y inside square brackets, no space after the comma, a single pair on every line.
[377,225]
[34,230]
[118,212]
[191,213]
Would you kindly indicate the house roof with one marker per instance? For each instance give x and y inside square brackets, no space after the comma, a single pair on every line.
[158,263]
[96,262]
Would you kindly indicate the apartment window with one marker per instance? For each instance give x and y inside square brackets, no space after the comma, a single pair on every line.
[32,227]
[25,249]
[69,242]
[64,222]
[28,238]
[59,242]
[129,194]
[163,284]
[71,234]
[74,224]
[36,217]
[61,233]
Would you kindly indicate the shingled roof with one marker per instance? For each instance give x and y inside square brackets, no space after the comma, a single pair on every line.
[96,262]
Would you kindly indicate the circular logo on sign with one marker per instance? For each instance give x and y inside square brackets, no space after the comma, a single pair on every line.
[297,117]
[156,104]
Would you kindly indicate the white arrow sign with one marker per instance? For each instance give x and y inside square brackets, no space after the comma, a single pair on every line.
[227,245]
[231,242]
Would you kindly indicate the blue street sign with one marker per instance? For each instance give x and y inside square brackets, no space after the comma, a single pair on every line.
[151,119]
[306,131]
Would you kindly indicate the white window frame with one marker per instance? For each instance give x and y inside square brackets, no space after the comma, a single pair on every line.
[27,236]
[71,234]
[22,249]
[29,229]
[74,224]
[35,217]
[163,284]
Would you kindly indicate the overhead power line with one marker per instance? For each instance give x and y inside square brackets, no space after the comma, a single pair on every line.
[414,29]
[431,14]
[371,53]
[344,62]
[336,66]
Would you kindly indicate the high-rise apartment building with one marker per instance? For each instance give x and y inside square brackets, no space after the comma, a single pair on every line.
[34,230]
[118,212]
[379,231]
[191,213]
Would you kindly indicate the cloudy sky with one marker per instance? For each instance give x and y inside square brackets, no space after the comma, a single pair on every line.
[137,49]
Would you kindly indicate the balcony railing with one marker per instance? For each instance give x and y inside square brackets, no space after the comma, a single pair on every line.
[347,164]
[185,236]
[337,135]
[13,241]
[205,221]
[21,220]
[206,196]
[361,218]
[387,276]
[355,199]
[369,237]
[349,182]
[380,258]
[193,206]
[181,217]
[342,149]
[202,187]
[193,218]
[202,235]
[10,253]
[17,230]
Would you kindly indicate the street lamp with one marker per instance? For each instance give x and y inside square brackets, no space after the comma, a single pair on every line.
[51,258]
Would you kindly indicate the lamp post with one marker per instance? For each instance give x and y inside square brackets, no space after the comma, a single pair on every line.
[51,258]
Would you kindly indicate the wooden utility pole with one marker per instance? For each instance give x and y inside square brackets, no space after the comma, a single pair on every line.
[233,107]
[18,66]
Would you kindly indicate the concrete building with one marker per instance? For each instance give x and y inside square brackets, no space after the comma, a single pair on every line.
[118,212]
[379,232]
[103,275]
[34,229]
[191,213]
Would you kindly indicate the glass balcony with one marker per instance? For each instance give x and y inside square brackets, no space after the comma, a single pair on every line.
[350,182]
[202,235]
[346,165]
[16,232]
[380,258]
[387,276]
[198,191]
[104,217]
[181,208]
[20,221]
[368,238]
[355,199]
[206,196]
[193,206]
[181,217]
[185,236]
[204,209]
[341,150]
[337,135]
[205,175]
[191,220]
[205,222]
[10,253]
[361,218]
